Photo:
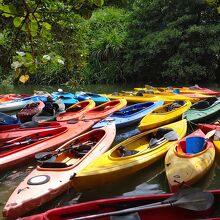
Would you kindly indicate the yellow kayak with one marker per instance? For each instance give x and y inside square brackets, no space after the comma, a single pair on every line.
[184,169]
[152,97]
[163,115]
[136,99]
[170,96]
[128,157]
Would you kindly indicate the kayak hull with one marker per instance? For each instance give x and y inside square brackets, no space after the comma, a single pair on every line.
[161,116]
[55,180]
[76,111]
[184,169]
[56,137]
[111,166]
[127,116]
[104,109]
[116,204]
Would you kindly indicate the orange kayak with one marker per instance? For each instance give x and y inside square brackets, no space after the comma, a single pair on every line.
[22,149]
[52,178]
[105,109]
[76,111]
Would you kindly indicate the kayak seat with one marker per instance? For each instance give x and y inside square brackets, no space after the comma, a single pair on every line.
[54,164]
[175,105]
[123,152]
[201,105]
[80,151]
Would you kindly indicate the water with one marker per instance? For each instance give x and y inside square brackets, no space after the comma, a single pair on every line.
[150,180]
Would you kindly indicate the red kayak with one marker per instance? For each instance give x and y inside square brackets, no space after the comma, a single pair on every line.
[204,90]
[166,212]
[22,149]
[29,111]
[9,132]
[10,97]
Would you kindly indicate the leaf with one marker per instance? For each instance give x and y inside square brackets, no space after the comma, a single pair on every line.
[33,28]
[46,25]
[24,27]
[17,21]
[218,9]
[24,78]
[98,3]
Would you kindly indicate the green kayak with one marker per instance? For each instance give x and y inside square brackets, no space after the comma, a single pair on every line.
[202,110]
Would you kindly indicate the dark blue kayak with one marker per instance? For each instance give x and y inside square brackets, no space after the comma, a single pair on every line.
[6,119]
[129,115]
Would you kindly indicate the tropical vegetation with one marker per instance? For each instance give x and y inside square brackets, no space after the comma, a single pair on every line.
[92,41]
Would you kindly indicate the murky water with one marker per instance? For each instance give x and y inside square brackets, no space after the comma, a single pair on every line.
[150,180]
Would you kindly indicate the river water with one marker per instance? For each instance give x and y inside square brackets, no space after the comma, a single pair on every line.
[150,180]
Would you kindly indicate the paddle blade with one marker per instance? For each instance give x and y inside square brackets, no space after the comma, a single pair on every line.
[197,201]
[210,134]
[171,136]
[181,193]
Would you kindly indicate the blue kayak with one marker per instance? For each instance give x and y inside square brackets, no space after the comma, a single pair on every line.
[7,119]
[98,99]
[67,97]
[130,114]
[20,103]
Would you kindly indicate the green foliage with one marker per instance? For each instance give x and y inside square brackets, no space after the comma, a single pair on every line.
[106,39]
[173,41]
[33,26]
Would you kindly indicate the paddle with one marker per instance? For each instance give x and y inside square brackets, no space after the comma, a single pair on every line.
[170,136]
[189,198]
[29,141]
[53,154]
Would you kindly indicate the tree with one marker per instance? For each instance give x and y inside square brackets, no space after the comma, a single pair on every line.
[173,40]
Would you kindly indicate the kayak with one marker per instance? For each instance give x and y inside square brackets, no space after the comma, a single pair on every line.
[22,149]
[98,99]
[130,115]
[50,111]
[76,111]
[6,119]
[136,99]
[29,111]
[104,109]
[102,206]
[164,115]
[203,90]
[9,97]
[192,89]
[203,110]
[52,177]
[20,103]
[216,140]
[67,97]
[128,157]
[188,161]
[17,130]
[168,96]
